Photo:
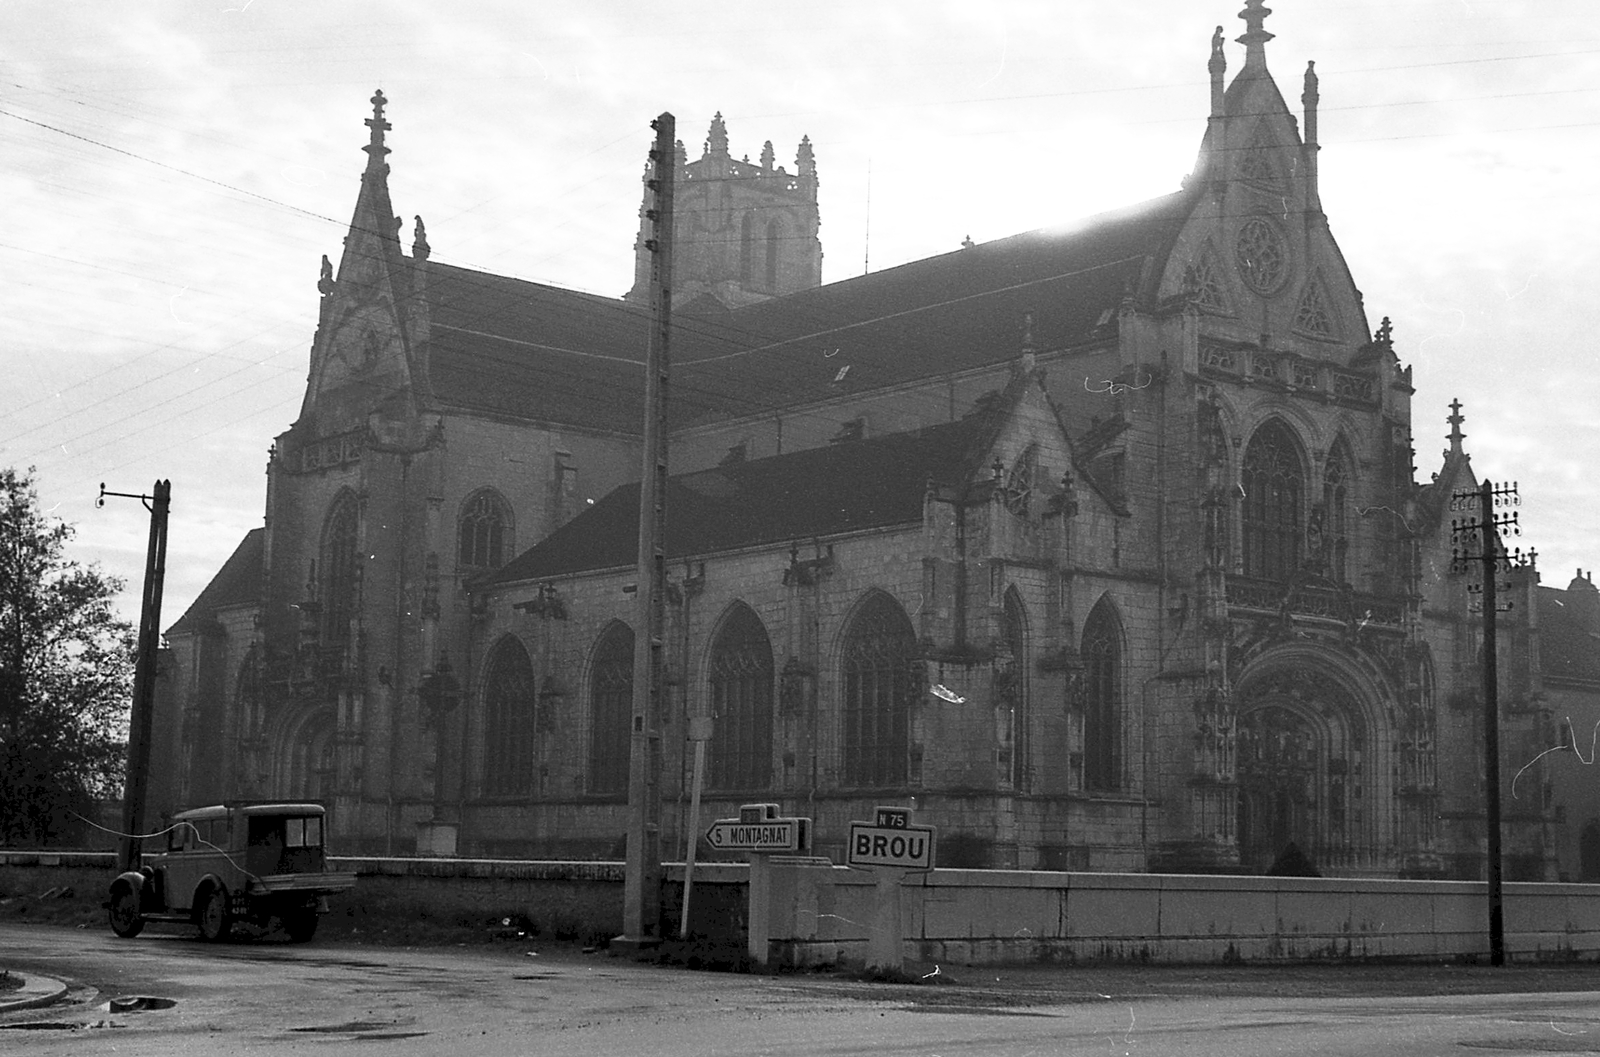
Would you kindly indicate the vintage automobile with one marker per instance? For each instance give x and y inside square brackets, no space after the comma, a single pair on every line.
[233,862]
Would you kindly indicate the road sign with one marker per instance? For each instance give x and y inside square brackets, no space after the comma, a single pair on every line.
[759,829]
[890,840]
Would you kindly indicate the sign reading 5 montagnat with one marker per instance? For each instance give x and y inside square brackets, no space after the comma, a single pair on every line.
[758,829]
[890,841]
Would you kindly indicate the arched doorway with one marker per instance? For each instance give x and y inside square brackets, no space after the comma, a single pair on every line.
[1301,749]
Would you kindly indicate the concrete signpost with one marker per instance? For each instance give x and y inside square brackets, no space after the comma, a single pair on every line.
[891,847]
[760,831]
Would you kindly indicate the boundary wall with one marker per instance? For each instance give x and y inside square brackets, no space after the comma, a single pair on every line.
[820,914]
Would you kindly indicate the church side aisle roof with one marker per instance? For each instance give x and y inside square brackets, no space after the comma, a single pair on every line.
[844,487]
[238,582]
[512,347]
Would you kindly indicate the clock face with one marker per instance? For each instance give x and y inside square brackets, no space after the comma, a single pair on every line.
[1262,258]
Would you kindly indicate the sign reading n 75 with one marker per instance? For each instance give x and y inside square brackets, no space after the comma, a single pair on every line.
[905,847]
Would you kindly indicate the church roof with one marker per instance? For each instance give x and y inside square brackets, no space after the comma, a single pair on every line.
[238,582]
[512,347]
[816,492]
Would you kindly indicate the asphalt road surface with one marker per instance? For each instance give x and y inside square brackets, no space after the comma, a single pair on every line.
[267,997]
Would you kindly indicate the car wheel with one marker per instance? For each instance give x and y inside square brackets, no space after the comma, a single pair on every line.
[127,920]
[216,920]
[301,925]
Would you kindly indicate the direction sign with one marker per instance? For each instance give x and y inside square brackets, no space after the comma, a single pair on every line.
[890,841]
[759,829]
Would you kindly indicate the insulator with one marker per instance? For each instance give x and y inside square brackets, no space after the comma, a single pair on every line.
[652,214]
[651,245]
[654,185]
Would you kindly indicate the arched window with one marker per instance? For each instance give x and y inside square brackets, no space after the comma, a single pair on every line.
[611,710]
[741,704]
[508,728]
[880,682]
[1274,482]
[1336,518]
[1102,699]
[774,238]
[484,530]
[1013,687]
[747,249]
[339,569]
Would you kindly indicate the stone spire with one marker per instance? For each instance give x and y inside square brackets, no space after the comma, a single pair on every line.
[1455,419]
[376,151]
[1255,36]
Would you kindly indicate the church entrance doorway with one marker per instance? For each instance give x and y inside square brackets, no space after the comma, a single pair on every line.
[1300,746]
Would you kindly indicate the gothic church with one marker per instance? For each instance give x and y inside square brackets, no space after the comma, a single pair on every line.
[1102,548]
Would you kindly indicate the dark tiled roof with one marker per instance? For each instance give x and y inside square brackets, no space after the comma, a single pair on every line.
[817,492]
[521,348]
[1569,633]
[238,582]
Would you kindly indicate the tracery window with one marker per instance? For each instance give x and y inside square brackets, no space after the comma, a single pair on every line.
[741,703]
[339,569]
[1012,678]
[1273,479]
[1261,256]
[880,683]
[610,710]
[1336,518]
[509,721]
[1102,699]
[483,530]
[1312,315]
[1019,482]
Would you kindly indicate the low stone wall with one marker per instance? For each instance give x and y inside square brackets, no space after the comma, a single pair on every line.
[820,914]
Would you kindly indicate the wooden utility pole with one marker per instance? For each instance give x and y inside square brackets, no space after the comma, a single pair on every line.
[1485,529]
[641,911]
[144,672]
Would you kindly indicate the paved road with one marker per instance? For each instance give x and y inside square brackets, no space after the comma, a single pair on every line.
[271,997]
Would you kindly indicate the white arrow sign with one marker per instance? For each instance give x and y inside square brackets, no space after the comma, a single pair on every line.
[756,831]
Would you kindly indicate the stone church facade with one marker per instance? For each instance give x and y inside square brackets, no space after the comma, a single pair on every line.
[1104,549]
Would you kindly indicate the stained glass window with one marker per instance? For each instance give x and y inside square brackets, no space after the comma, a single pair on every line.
[1102,696]
[741,704]
[611,710]
[880,682]
[485,524]
[1273,480]
[508,728]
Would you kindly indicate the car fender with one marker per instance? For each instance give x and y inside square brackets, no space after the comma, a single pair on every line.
[133,879]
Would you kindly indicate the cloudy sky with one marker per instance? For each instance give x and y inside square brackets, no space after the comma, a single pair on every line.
[171,174]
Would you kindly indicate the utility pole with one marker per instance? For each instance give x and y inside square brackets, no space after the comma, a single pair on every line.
[641,911]
[1485,528]
[144,670]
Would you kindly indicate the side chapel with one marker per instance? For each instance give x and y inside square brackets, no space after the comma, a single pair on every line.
[1102,548]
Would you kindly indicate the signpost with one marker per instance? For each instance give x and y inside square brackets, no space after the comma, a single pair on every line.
[761,831]
[891,847]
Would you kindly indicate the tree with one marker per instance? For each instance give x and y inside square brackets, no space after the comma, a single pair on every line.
[66,675]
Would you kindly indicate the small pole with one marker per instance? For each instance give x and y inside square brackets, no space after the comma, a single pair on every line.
[699,733]
[144,672]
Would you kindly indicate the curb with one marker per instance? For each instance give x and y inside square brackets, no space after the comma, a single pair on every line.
[36,991]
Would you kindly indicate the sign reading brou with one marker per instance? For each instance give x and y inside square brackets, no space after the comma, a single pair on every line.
[890,840]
